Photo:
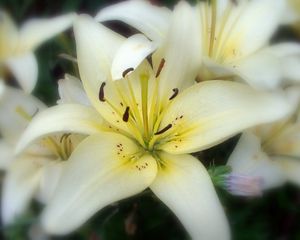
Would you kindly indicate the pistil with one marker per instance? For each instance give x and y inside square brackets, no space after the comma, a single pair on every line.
[144,94]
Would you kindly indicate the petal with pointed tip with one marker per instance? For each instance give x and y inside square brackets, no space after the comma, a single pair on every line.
[36,31]
[151,20]
[184,185]
[25,70]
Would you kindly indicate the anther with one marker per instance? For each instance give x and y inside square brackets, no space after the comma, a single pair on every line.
[126,115]
[175,90]
[101,92]
[128,70]
[66,136]
[160,67]
[164,129]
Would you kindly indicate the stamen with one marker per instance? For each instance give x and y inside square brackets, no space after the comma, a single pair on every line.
[149,59]
[126,115]
[101,92]
[175,90]
[128,70]
[64,136]
[160,67]
[164,129]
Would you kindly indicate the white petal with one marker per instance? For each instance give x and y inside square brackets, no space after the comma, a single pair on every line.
[25,70]
[36,31]
[255,26]
[97,175]
[16,110]
[151,20]
[132,52]
[50,175]
[289,56]
[70,90]
[184,185]
[212,111]
[67,118]
[248,158]
[261,70]
[96,47]
[182,57]
[8,36]
[6,154]
[19,186]
[2,88]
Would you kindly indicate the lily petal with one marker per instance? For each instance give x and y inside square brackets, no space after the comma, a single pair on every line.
[65,118]
[51,173]
[261,70]
[151,20]
[254,26]
[17,109]
[7,154]
[104,177]
[20,184]
[2,88]
[25,70]
[182,59]
[212,111]
[8,36]
[248,158]
[134,50]
[36,31]
[70,90]
[289,56]
[96,47]
[184,185]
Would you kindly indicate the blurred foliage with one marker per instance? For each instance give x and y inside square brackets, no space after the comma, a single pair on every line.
[275,216]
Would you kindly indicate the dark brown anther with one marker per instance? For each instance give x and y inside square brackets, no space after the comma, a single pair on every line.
[128,70]
[66,135]
[126,115]
[164,129]
[149,59]
[101,92]
[160,67]
[175,90]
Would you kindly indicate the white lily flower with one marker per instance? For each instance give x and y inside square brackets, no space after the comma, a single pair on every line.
[142,128]
[270,153]
[234,38]
[17,46]
[34,173]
